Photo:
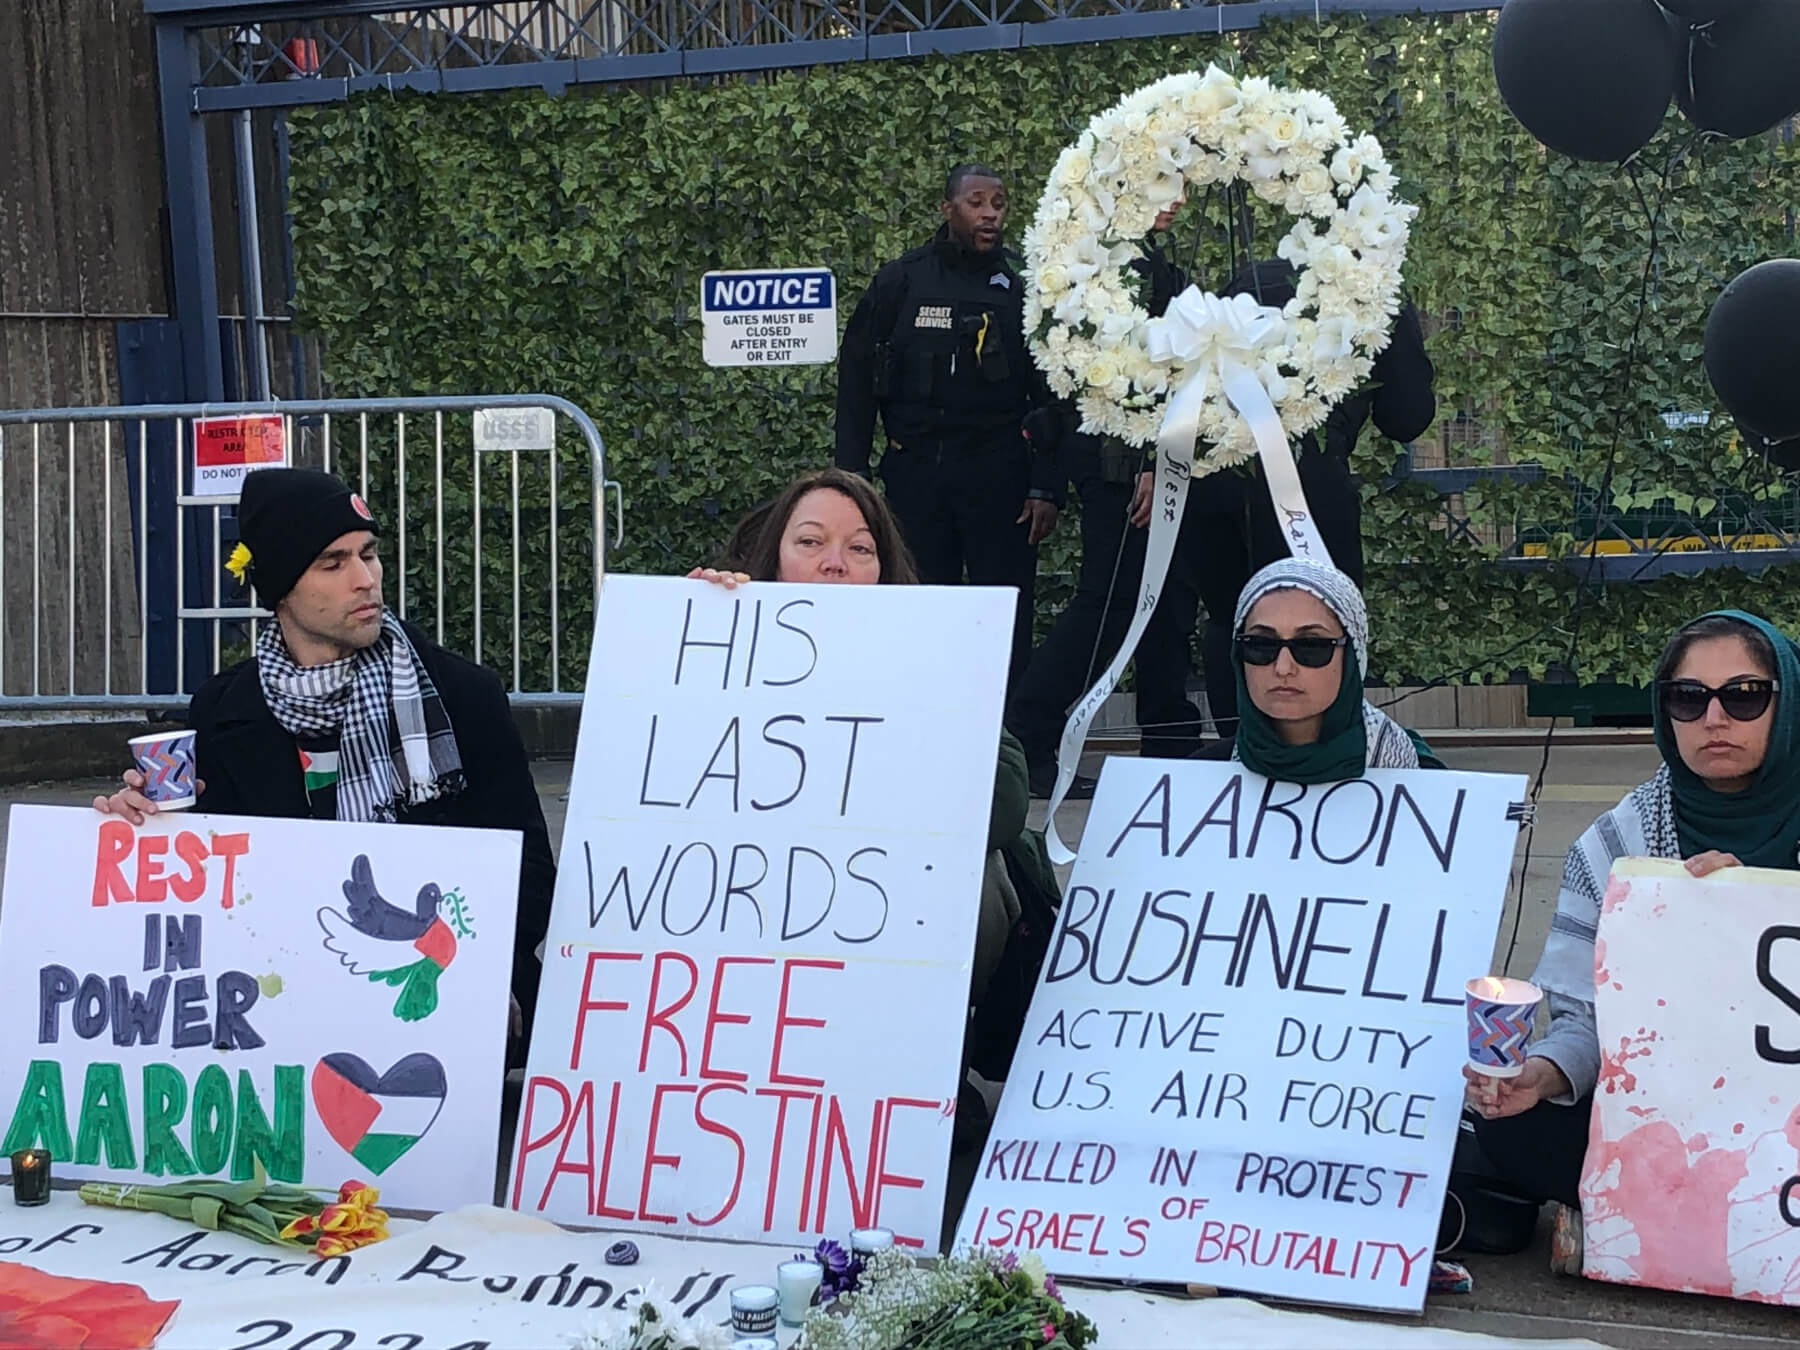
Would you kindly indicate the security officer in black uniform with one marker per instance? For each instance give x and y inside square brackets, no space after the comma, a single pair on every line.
[937,346]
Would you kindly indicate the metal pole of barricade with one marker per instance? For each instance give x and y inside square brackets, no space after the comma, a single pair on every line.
[58,521]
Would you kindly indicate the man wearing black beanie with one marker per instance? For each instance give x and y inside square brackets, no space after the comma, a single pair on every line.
[347,713]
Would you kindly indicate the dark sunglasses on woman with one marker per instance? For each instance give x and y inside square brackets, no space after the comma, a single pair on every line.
[1312,652]
[1741,700]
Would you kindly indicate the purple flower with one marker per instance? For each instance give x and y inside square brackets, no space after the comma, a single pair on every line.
[1051,1289]
[1009,1262]
[841,1271]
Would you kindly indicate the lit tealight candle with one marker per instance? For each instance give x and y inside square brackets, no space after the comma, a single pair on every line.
[799,1282]
[31,1176]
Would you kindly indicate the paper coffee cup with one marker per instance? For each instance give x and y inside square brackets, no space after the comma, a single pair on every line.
[1501,1012]
[166,759]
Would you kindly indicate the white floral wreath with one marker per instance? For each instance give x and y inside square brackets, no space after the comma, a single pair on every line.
[1091,334]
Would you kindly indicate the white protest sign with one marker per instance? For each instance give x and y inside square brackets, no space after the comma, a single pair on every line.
[769,317]
[757,974]
[189,998]
[1243,1063]
[486,1279]
[477,1279]
[1692,1177]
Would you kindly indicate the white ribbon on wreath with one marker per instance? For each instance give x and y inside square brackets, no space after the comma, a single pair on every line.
[1245,375]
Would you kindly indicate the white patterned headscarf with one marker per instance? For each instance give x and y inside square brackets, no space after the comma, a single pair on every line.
[1389,745]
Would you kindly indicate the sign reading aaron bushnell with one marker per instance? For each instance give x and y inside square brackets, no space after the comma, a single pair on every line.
[1243,1063]
[212,993]
[769,317]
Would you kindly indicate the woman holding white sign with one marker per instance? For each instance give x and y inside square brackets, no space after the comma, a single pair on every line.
[1299,651]
[832,527]
[1727,795]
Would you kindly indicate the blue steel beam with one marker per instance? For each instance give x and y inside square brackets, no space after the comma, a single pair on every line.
[273,86]
[190,215]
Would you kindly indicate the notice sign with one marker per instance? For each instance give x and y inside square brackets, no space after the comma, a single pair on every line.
[226,448]
[211,992]
[1692,1177]
[772,317]
[757,975]
[1243,1064]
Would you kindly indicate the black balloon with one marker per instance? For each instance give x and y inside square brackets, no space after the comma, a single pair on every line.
[1744,69]
[1753,348]
[1589,78]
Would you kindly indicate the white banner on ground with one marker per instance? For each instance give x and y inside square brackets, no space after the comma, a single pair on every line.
[1243,1064]
[1692,1179]
[207,992]
[486,1279]
[757,974]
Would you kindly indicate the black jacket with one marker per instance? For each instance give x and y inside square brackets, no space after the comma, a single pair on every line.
[937,346]
[251,767]
[1399,396]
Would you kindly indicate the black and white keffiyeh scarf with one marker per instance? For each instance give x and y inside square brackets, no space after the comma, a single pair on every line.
[365,699]
[1641,826]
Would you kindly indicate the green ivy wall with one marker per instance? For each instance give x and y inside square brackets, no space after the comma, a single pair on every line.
[521,242]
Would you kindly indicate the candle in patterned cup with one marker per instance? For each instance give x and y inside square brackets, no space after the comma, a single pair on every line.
[1501,1012]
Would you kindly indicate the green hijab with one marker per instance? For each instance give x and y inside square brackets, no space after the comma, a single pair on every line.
[1353,737]
[1760,825]
[1340,752]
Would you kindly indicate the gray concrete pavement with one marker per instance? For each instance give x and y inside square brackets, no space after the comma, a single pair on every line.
[1513,1296]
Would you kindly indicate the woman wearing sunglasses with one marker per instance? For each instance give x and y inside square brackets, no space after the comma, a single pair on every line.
[1728,794]
[1299,649]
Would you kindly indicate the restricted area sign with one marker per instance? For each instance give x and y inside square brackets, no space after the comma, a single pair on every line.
[769,317]
[226,448]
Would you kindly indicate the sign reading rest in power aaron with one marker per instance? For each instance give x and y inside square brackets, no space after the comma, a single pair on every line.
[211,993]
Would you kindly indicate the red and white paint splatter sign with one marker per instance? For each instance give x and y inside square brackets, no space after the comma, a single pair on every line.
[1692,1179]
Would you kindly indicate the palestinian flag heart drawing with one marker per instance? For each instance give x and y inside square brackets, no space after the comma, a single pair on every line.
[377,1118]
[390,945]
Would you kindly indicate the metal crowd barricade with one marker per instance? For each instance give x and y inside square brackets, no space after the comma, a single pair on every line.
[113,590]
